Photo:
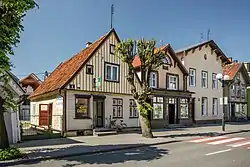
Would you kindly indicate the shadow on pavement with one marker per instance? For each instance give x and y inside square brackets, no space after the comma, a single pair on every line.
[210,134]
[51,142]
[74,155]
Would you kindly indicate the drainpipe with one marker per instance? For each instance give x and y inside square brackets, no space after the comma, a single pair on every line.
[64,96]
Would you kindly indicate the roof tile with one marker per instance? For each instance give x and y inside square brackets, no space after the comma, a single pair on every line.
[231,69]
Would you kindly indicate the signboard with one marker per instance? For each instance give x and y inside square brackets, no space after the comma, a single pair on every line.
[97,82]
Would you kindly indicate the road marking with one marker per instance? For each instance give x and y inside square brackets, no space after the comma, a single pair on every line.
[207,139]
[239,144]
[217,152]
[225,141]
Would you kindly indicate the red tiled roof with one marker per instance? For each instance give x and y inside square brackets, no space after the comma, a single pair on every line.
[31,80]
[231,69]
[65,71]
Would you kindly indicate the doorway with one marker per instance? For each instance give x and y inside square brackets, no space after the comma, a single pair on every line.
[171,110]
[99,113]
[232,111]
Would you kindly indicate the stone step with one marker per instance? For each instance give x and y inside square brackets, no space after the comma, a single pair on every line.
[105,133]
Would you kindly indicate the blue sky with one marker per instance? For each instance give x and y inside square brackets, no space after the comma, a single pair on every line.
[60,28]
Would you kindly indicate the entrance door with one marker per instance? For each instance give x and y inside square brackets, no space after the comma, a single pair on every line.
[99,112]
[232,111]
[171,110]
[43,114]
[192,109]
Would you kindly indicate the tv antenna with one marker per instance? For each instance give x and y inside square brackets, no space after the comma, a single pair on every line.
[208,34]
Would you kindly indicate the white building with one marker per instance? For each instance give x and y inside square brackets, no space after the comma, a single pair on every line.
[203,61]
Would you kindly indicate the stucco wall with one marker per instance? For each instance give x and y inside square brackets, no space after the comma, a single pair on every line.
[212,65]
[57,112]
[80,124]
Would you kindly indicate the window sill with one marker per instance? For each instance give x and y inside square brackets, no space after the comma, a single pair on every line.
[133,117]
[117,117]
[83,118]
[115,81]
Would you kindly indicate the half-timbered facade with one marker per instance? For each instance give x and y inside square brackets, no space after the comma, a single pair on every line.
[203,61]
[87,91]
[170,98]
[236,90]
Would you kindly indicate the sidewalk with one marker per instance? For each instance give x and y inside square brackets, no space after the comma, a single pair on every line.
[37,150]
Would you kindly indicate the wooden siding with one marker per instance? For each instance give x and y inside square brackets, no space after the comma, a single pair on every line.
[84,81]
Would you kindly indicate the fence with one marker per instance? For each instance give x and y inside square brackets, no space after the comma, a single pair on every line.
[41,127]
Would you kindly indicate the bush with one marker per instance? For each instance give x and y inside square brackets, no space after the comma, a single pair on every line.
[10,153]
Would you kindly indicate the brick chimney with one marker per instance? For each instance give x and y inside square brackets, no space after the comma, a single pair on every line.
[88,43]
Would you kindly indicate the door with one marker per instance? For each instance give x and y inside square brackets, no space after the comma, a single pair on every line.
[171,113]
[232,111]
[192,109]
[43,114]
[99,112]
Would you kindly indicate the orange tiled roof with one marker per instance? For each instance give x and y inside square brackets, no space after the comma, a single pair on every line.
[231,69]
[66,70]
[32,80]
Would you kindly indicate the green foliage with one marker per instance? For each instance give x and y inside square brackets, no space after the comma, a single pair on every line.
[12,13]
[144,108]
[10,153]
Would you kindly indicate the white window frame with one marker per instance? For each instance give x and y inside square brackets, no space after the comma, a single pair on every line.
[172,80]
[204,106]
[153,80]
[112,66]
[191,70]
[215,107]
[204,76]
[214,81]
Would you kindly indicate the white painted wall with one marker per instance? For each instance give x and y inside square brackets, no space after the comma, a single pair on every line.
[57,112]
[79,124]
[211,65]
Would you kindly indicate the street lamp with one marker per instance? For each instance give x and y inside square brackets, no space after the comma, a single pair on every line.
[223,78]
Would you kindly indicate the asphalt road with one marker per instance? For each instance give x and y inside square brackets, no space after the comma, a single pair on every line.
[183,154]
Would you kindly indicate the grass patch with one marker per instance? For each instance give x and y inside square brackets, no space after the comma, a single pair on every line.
[10,153]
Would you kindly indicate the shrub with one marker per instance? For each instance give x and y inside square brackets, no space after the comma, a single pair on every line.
[10,153]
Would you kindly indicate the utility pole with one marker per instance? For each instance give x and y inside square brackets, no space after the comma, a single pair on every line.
[112,13]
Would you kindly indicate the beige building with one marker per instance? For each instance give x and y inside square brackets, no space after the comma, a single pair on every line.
[203,61]
[170,98]
[86,92]
[236,90]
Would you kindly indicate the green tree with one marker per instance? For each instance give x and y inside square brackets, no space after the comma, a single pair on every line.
[150,59]
[12,13]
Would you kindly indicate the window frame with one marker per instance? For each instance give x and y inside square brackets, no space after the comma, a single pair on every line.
[134,109]
[168,81]
[105,72]
[117,105]
[216,81]
[88,105]
[162,105]
[187,105]
[205,72]
[110,50]
[92,67]
[217,106]
[202,112]
[156,79]
[192,69]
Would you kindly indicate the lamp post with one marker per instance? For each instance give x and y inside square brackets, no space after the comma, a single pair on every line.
[223,79]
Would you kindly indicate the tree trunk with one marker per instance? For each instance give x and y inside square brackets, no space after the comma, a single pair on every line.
[4,141]
[145,127]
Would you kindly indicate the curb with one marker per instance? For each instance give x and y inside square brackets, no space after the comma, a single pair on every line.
[235,132]
[25,161]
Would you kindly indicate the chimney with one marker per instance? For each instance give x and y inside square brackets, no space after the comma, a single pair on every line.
[88,43]
[235,61]
[230,59]
[46,74]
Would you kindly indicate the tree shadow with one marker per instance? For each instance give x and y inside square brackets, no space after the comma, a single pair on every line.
[76,155]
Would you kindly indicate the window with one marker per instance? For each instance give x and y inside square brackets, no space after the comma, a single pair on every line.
[184,108]
[232,90]
[112,49]
[215,106]
[204,106]
[89,69]
[132,109]
[158,107]
[111,72]
[243,92]
[153,80]
[172,82]
[238,91]
[82,107]
[214,81]
[204,79]
[117,108]
[192,77]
